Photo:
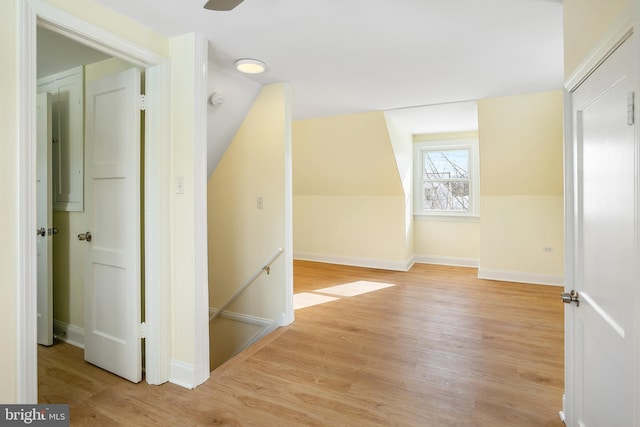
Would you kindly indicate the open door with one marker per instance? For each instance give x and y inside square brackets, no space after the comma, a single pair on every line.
[112,203]
[601,351]
[44,220]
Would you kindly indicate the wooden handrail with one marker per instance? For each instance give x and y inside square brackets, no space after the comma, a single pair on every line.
[266,267]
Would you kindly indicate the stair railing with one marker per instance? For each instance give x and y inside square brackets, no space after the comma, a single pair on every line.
[265,268]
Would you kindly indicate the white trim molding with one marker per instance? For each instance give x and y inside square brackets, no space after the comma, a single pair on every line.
[241,317]
[445,260]
[183,374]
[70,334]
[446,218]
[471,145]
[201,261]
[356,262]
[157,226]
[288,315]
[520,277]
[27,355]
[618,33]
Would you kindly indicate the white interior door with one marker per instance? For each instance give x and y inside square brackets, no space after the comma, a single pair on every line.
[112,203]
[44,245]
[602,336]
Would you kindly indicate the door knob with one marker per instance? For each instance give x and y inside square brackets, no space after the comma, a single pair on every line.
[41,232]
[52,231]
[85,236]
[569,297]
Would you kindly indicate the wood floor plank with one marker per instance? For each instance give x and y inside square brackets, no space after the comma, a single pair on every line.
[439,348]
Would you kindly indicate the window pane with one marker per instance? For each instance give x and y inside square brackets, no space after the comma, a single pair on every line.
[449,164]
[446,195]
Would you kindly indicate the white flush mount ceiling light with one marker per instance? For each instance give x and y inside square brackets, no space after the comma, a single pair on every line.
[250,66]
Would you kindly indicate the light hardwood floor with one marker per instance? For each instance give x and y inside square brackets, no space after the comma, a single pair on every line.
[441,348]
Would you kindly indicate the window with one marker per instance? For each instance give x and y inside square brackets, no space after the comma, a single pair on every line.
[446,178]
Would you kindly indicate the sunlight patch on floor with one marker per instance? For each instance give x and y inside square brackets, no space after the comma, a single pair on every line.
[307,299]
[354,289]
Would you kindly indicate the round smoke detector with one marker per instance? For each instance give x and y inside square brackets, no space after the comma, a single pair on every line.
[216,99]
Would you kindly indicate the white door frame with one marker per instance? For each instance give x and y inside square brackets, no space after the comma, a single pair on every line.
[157,178]
[617,34]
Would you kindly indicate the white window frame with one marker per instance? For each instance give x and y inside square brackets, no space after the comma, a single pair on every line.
[470,144]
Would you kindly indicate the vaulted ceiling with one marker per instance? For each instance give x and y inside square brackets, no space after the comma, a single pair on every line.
[418,60]
[348,56]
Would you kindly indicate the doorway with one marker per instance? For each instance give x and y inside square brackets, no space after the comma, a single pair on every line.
[71,72]
[156,171]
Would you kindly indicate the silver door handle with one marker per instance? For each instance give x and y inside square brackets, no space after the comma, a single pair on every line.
[569,297]
[85,236]
[52,231]
[41,232]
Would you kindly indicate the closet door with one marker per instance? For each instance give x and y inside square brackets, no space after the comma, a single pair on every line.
[112,205]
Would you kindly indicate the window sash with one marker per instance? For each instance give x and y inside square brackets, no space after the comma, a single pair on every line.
[425,174]
[446,199]
[439,193]
[452,165]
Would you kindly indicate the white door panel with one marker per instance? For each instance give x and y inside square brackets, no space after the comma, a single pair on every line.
[44,245]
[606,176]
[113,273]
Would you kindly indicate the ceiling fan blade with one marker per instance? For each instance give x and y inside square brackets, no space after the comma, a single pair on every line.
[222,5]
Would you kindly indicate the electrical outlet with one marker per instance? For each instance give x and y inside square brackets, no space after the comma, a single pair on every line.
[547,249]
[259,202]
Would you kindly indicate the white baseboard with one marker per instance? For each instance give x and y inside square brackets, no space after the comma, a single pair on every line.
[70,334]
[240,317]
[183,374]
[445,260]
[356,262]
[521,277]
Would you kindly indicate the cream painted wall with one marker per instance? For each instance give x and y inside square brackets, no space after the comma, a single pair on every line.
[9,280]
[241,236]
[106,68]
[521,204]
[514,231]
[338,219]
[521,144]
[351,229]
[348,196]
[402,144]
[585,22]
[182,205]
[344,155]
[447,242]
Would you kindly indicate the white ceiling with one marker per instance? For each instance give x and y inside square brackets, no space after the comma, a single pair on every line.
[348,56]
[423,62]
[438,118]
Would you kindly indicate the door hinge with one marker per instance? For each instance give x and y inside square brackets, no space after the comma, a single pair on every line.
[143,102]
[142,330]
[631,108]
